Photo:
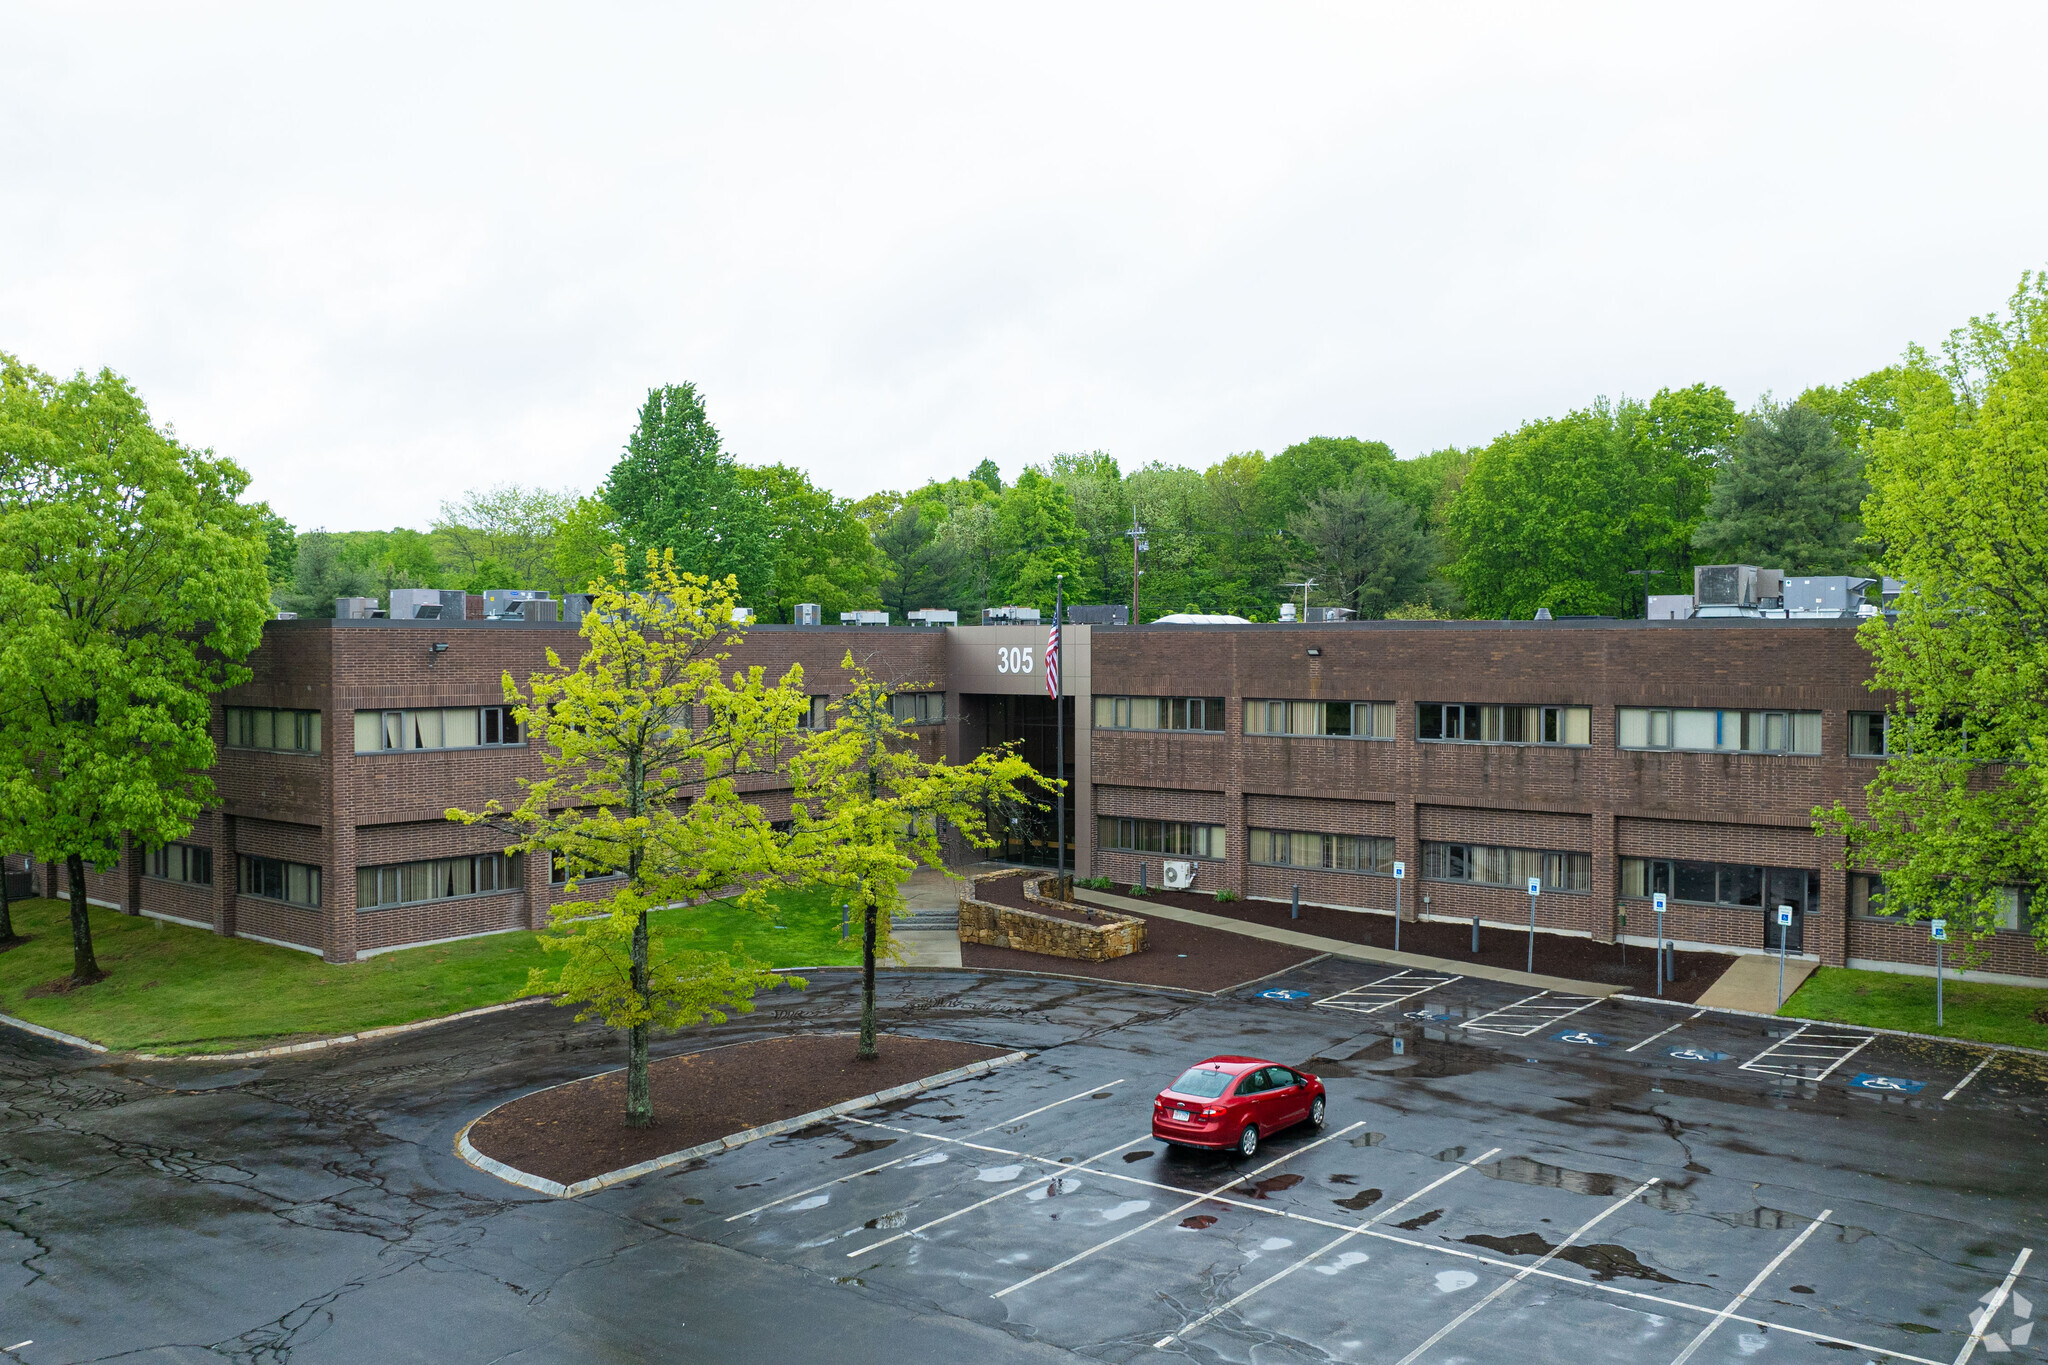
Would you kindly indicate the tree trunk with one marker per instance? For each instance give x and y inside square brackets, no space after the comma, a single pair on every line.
[867,1051]
[84,969]
[639,1090]
[6,905]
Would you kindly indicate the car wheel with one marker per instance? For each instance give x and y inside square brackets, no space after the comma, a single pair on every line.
[1248,1140]
[1315,1112]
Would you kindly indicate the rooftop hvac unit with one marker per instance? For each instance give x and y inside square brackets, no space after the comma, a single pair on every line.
[354,608]
[1010,616]
[863,618]
[933,616]
[498,601]
[1825,597]
[427,604]
[743,616]
[1287,611]
[525,609]
[1118,615]
[1330,613]
[1670,606]
[809,614]
[576,605]
[1718,589]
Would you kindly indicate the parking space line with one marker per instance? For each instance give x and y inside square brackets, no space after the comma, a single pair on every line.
[1178,1208]
[1991,1309]
[1803,1047]
[1751,1288]
[1523,1274]
[1402,985]
[1214,1313]
[1471,1023]
[1661,1032]
[1560,1008]
[1438,1249]
[1867,1041]
[1004,1194]
[1957,1087]
[908,1156]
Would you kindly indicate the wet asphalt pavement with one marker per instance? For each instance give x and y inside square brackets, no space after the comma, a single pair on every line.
[1524,1179]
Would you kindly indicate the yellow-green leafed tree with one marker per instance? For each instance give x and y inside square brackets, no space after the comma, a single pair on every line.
[868,812]
[643,737]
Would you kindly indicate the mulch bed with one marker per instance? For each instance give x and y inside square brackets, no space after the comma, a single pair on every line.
[1579,959]
[1183,955]
[575,1131]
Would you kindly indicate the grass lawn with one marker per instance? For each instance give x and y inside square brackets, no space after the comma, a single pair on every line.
[1971,1010]
[174,989]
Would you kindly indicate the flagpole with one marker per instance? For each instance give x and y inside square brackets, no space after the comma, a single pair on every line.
[1059,720]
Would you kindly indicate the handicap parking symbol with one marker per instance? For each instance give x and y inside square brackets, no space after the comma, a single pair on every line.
[1583,1037]
[1696,1054]
[1890,1085]
[1279,994]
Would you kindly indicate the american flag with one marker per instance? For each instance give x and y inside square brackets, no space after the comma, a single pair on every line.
[1052,661]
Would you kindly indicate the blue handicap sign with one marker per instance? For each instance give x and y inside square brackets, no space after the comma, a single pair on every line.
[1278,994]
[1890,1085]
[1583,1037]
[1695,1054]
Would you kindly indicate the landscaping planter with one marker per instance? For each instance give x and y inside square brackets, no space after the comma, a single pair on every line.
[1043,925]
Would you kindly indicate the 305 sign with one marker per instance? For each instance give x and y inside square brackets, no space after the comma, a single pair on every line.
[1013,659]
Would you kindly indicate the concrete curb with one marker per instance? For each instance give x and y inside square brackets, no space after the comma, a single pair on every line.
[68,1039]
[542,1185]
[316,1044]
[1356,951]
[1837,1023]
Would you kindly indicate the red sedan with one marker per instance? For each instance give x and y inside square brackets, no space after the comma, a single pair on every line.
[1230,1103]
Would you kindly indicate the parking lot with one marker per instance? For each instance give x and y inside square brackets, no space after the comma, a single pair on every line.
[1505,1175]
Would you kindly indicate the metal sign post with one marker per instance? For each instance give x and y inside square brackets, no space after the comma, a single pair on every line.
[1056,680]
[1535,890]
[1657,904]
[1784,941]
[1400,875]
[1938,931]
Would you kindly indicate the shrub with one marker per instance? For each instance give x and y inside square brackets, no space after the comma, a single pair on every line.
[1227,895]
[1097,883]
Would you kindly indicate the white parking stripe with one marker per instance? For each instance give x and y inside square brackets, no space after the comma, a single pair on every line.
[1214,1313]
[1804,1047]
[1439,1249]
[1176,1209]
[1005,1194]
[1525,1017]
[1751,1288]
[1955,1089]
[1388,990]
[1661,1032]
[1845,1057]
[908,1156]
[1991,1309]
[1470,1023]
[1584,1228]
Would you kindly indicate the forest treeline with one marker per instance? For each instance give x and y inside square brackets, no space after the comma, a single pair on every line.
[1580,513]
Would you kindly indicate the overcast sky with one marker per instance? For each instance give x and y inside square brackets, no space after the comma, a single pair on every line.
[383,255]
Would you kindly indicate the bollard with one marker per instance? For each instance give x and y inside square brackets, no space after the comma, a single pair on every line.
[845,909]
[1475,936]
[1141,876]
[1295,913]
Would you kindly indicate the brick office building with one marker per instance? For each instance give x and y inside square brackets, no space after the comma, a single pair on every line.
[1607,758]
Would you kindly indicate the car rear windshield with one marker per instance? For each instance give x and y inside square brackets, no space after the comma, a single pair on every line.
[1202,1084]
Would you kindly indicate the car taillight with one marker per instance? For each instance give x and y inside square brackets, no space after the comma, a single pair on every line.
[1212,1113]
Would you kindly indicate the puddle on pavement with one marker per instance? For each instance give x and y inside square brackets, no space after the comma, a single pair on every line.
[1273,1184]
[1920,1329]
[1368,1139]
[862,1146]
[1364,1199]
[1777,1220]
[1421,1220]
[1199,1221]
[1341,1179]
[895,1219]
[1053,1189]
[1606,1260]
[1137,1156]
[1526,1171]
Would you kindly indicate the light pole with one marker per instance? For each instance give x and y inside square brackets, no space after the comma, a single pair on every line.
[1138,542]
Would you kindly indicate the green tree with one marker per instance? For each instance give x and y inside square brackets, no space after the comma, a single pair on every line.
[643,738]
[510,525]
[823,553]
[1859,407]
[1250,553]
[1039,539]
[132,583]
[1365,547]
[319,575]
[1959,496]
[677,488]
[867,811]
[1304,471]
[921,563]
[280,547]
[583,544]
[1787,496]
[988,476]
[1102,513]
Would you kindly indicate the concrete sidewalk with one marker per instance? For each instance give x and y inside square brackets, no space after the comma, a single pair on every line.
[1751,983]
[1357,951]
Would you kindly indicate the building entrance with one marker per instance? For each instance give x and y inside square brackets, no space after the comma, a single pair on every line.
[987,721]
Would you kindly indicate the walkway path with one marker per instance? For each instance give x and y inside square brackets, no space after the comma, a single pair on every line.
[1358,951]
[1751,983]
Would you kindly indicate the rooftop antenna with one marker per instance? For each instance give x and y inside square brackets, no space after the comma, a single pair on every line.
[1138,542]
[1304,585]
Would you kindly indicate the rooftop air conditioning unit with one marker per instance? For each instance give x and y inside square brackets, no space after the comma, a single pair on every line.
[499,601]
[576,605]
[1330,613]
[1009,616]
[1287,611]
[743,616]
[1825,597]
[1670,606]
[427,604]
[354,608]
[863,618]
[809,614]
[1118,615]
[1725,585]
[933,617]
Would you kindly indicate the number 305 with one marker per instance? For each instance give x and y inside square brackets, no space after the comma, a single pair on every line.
[1012,659]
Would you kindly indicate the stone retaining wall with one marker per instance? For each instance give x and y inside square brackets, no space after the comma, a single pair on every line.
[1000,926]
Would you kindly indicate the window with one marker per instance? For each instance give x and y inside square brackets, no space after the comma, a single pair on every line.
[1866,896]
[277,880]
[1504,724]
[437,880]
[815,718]
[1334,852]
[1349,719]
[182,863]
[453,727]
[1870,734]
[1733,884]
[558,865]
[1159,836]
[256,728]
[1507,866]
[1159,713]
[917,708]
[1769,732]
